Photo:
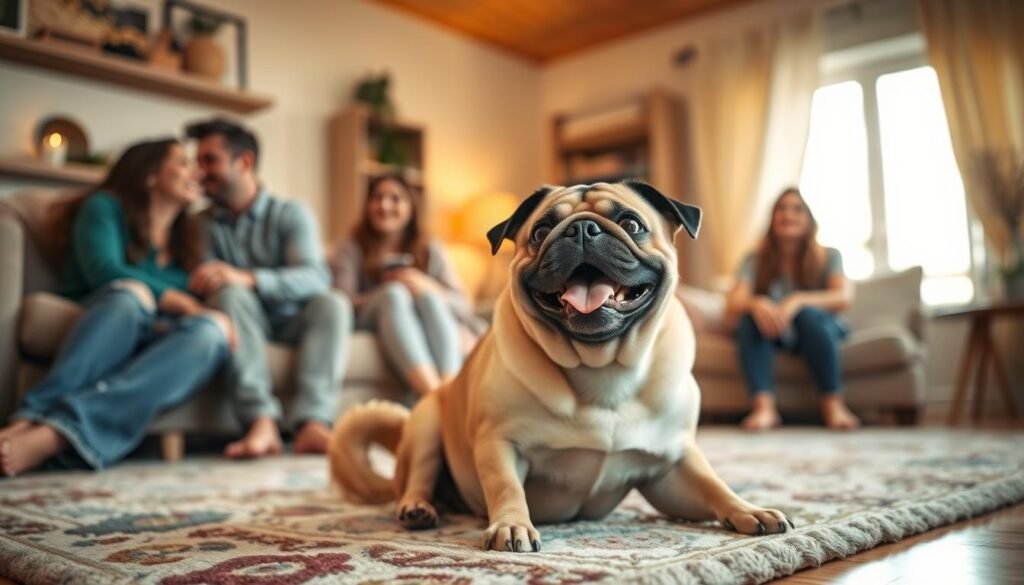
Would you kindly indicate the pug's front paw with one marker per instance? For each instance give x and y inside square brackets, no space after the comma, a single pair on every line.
[417,515]
[749,519]
[512,536]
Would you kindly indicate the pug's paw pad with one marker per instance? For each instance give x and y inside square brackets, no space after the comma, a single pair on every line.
[417,515]
[747,519]
[512,537]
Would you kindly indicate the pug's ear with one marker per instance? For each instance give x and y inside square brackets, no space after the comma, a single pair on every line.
[681,214]
[509,227]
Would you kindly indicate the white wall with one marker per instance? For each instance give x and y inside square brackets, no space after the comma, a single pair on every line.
[479,105]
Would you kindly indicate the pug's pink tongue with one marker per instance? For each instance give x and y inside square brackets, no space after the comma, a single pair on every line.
[587,299]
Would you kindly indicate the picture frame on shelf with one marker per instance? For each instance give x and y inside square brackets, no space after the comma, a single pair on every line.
[208,16]
[13,17]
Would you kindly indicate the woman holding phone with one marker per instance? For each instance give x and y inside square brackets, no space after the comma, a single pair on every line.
[403,288]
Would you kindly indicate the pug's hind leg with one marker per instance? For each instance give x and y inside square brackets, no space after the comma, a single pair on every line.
[419,462]
[693,491]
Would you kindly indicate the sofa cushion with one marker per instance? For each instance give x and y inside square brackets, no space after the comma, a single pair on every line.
[881,347]
[46,319]
[869,350]
[893,299]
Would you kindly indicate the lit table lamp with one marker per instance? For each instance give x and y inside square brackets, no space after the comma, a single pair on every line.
[482,275]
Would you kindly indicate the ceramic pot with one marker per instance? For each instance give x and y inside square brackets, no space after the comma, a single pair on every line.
[204,57]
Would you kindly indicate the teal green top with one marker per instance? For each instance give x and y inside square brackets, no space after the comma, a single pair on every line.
[99,243]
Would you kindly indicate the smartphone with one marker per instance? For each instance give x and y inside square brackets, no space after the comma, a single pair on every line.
[395,261]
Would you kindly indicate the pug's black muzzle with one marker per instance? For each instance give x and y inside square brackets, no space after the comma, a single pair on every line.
[583,254]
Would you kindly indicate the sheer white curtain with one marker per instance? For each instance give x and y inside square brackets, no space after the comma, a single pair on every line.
[752,112]
[977,50]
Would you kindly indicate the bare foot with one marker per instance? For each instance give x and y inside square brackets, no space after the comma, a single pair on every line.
[764,415]
[15,428]
[312,438]
[261,440]
[837,415]
[28,449]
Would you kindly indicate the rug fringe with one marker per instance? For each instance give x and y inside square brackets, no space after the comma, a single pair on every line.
[777,556]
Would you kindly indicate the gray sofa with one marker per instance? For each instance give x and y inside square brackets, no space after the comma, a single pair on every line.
[883,359]
[34,321]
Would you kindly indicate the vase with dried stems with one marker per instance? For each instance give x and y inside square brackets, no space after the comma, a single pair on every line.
[1001,178]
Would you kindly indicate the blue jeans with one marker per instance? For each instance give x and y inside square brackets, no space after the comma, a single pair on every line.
[120,365]
[815,334]
[414,331]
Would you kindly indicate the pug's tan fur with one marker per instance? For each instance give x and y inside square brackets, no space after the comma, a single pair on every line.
[539,427]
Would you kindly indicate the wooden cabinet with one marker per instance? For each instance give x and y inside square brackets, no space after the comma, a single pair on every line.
[361,147]
[637,138]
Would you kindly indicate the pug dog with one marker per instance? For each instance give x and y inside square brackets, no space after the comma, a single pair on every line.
[581,391]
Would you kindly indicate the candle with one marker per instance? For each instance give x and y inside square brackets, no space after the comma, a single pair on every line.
[54,150]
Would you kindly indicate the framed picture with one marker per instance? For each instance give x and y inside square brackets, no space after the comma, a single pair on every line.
[205,21]
[13,16]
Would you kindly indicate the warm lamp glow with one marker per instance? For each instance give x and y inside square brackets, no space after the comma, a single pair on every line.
[55,140]
[481,213]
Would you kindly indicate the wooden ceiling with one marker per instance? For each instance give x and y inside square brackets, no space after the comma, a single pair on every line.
[544,30]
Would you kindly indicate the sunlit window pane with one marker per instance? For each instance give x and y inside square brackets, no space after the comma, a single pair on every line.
[835,174]
[924,195]
[947,290]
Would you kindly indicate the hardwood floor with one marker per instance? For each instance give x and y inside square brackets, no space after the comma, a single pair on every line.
[987,550]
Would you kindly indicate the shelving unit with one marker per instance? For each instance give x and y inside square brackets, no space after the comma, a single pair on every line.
[82,62]
[355,141]
[70,173]
[640,139]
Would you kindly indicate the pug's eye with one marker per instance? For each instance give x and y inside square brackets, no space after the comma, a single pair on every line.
[631,225]
[539,233]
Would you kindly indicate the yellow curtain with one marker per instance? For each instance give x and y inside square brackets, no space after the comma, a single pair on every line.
[977,50]
[752,101]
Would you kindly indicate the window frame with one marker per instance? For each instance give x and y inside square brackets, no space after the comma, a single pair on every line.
[865,64]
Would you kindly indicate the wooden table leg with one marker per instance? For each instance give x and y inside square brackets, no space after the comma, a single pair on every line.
[980,380]
[1004,381]
[963,375]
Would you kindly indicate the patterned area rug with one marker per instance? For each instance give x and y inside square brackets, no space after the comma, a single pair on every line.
[277,521]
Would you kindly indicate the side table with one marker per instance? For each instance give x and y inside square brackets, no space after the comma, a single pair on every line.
[981,351]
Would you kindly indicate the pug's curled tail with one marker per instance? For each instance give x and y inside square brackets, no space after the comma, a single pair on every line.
[376,421]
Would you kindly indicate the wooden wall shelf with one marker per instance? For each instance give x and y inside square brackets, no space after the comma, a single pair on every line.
[83,62]
[70,173]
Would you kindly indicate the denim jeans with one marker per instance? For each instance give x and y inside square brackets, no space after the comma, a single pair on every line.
[120,365]
[815,334]
[320,332]
[414,331]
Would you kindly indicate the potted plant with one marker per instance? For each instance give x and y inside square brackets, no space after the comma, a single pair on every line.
[1002,181]
[203,56]
[373,91]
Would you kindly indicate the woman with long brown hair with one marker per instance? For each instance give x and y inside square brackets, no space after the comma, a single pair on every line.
[787,296]
[403,288]
[142,343]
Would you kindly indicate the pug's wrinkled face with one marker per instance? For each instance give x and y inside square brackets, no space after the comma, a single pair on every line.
[594,262]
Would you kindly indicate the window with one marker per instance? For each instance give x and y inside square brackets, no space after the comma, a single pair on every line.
[880,176]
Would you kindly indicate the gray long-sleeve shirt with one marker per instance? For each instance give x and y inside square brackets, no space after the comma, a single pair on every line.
[279,242]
